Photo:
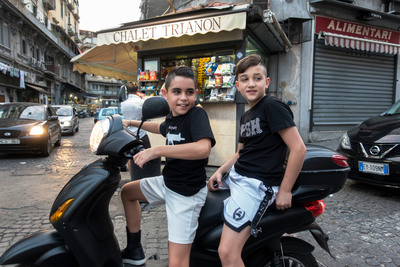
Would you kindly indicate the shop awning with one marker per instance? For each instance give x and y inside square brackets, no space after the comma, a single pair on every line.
[37,88]
[368,45]
[115,54]
[114,61]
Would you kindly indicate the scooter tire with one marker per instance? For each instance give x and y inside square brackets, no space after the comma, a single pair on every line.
[290,259]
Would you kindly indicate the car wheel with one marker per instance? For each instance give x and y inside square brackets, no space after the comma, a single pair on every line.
[58,142]
[46,149]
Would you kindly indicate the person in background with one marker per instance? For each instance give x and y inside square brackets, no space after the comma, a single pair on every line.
[257,176]
[182,185]
[132,110]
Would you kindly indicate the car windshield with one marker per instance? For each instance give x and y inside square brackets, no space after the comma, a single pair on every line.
[22,112]
[394,110]
[108,112]
[64,111]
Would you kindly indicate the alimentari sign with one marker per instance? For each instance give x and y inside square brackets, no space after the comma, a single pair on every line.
[363,31]
[175,29]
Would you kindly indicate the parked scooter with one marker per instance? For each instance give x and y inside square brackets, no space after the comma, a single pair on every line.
[84,235]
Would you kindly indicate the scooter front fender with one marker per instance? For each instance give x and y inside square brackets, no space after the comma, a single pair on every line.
[45,248]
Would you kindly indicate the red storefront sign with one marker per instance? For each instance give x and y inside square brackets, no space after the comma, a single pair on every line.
[357,36]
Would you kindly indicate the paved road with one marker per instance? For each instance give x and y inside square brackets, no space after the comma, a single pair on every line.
[363,221]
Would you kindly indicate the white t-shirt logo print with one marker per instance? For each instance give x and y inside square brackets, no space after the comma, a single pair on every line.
[251,128]
[171,138]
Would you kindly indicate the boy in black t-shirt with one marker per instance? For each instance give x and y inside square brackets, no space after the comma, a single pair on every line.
[182,185]
[256,173]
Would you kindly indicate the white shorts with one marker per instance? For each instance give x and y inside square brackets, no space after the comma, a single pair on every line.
[244,202]
[182,211]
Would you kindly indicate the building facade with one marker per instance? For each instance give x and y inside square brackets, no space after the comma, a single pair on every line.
[38,40]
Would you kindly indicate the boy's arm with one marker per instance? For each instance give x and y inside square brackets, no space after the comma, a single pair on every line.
[217,176]
[153,127]
[297,153]
[191,151]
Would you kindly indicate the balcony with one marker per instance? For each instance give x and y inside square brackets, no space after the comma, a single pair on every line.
[70,5]
[76,15]
[70,31]
[49,4]
[77,39]
[51,70]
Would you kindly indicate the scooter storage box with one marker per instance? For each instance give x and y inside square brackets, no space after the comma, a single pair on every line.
[319,169]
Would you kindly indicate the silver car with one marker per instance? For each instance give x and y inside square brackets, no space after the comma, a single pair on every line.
[68,117]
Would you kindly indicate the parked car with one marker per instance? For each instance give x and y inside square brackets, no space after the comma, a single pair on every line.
[83,114]
[68,118]
[373,149]
[28,127]
[105,112]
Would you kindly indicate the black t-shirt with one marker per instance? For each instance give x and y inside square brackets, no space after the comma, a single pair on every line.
[264,151]
[186,177]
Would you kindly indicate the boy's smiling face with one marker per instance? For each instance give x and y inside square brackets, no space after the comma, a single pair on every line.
[181,95]
[252,84]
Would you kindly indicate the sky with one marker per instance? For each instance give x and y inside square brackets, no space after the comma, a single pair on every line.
[98,15]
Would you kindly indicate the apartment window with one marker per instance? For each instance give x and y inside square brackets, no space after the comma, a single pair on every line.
[37,54]
[4,34]
[34,10]
[24,46]
[62,9]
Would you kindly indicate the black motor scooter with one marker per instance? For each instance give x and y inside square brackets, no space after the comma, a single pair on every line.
[84,234]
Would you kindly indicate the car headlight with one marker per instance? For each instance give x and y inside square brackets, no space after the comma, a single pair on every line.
[345,142]
[100,130]
[37,130]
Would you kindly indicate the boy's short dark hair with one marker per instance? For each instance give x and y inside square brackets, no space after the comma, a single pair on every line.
[132,87]
[183,71]
[249,61]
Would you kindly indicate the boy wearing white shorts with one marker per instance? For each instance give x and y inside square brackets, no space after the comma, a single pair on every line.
[182,185]
[257,176]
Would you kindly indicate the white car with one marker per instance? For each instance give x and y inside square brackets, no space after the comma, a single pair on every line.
[68,117]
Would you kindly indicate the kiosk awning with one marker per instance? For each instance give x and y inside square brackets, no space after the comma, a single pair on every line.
[115,54]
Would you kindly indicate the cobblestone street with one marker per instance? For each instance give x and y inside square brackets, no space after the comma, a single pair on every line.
[362,221]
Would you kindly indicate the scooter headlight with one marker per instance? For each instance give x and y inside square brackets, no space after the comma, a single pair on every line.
[99,131]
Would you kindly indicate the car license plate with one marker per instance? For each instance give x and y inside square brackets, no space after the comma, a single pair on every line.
[375,168]
[9,141]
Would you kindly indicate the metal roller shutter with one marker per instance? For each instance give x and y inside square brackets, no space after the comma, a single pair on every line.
[349,87]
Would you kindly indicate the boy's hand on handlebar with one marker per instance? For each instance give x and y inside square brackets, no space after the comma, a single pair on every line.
[143,157]
[214,182]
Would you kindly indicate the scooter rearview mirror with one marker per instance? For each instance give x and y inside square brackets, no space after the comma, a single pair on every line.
[154,107]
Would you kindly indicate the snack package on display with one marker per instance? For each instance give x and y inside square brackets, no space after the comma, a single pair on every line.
[218,80]
[230,94]
[214,95]
[210,68]
[228,81]
[227,68]
[211,82]
[142,76]
[153,75]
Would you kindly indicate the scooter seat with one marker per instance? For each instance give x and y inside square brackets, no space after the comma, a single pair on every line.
[211,212]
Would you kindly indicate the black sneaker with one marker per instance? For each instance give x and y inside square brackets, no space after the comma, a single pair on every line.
[133,256]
